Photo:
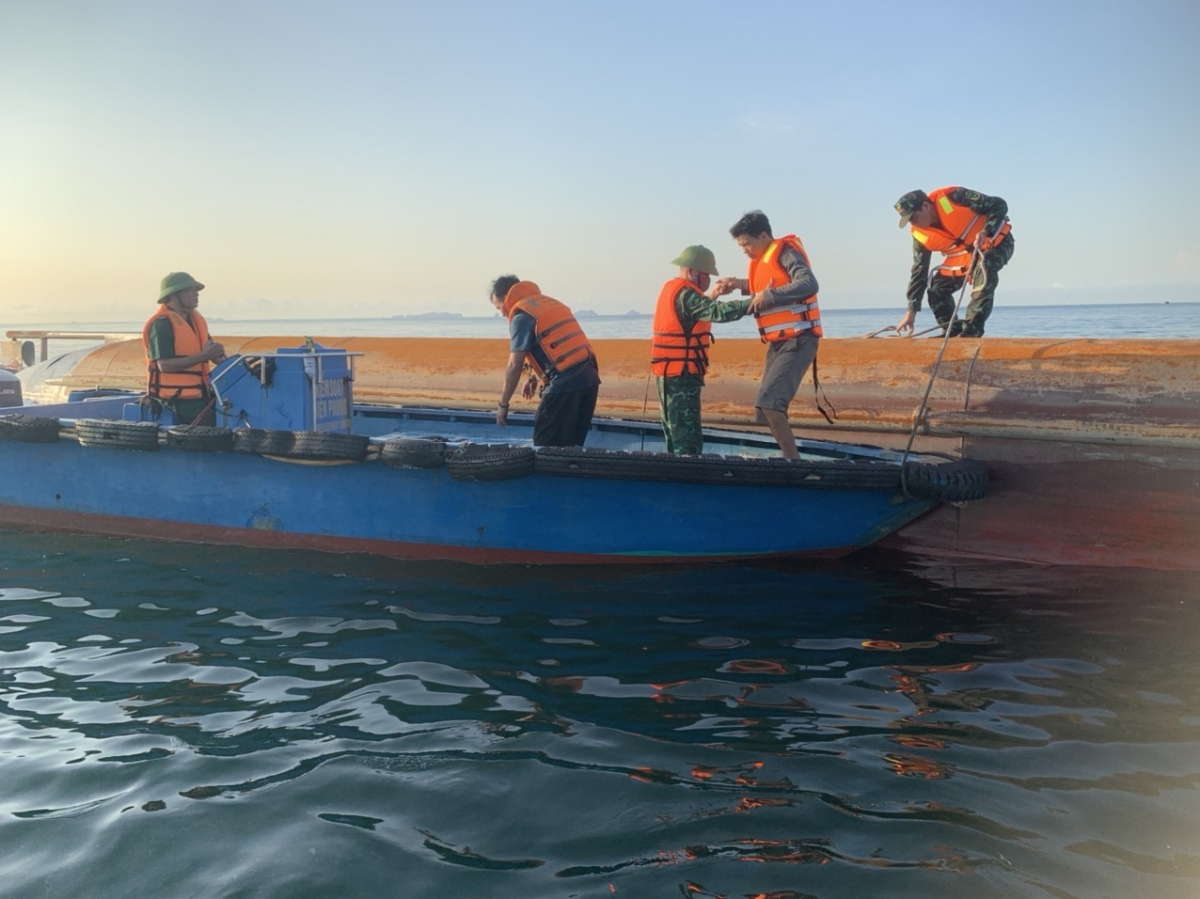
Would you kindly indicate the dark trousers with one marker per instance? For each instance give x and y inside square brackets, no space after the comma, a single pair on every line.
[986,276]
[200,412]
[563,419]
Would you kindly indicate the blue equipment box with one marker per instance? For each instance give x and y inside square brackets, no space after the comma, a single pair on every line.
[308,388]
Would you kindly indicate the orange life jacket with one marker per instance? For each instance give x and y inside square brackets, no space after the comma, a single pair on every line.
[557,332]
[782,322]
[676,349]
[954,234]
[190,384]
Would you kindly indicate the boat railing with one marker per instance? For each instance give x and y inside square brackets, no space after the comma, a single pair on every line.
[24,350]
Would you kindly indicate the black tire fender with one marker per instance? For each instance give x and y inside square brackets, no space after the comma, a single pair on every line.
[305,445]
[200,439]
[946,482]
[490,462]
[414,452]
[775,471]
[262,442]
[322,445]
[139,435]
[22,428]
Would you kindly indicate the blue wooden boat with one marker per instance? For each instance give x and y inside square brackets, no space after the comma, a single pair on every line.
[296,463]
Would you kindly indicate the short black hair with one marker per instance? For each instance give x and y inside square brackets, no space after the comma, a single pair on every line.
[751,224]
[502,285]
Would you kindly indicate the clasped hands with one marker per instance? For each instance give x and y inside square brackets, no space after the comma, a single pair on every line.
[213,352]
[723,286]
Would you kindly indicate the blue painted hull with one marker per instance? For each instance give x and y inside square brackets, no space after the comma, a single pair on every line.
[233,498]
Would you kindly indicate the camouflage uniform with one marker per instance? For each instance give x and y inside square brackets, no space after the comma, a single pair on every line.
[679,396]
[984,276]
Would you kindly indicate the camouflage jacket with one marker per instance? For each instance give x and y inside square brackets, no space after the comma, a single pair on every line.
[993,207]
[692,306]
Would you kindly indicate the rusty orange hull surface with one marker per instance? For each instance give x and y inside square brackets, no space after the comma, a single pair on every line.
[1093,445]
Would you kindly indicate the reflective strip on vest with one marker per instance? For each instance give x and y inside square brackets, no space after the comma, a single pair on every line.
[962,238]
[787,321]
[956,228]
[794,326]
[957,245]
[942,241]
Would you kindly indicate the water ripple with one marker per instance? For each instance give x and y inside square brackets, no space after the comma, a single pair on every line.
[884,734]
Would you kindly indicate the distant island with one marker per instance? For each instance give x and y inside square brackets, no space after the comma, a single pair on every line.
[588,313]
[458,316]
[431,315]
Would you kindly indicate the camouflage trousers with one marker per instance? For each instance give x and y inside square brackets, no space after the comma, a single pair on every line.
[679,405]
[984,279]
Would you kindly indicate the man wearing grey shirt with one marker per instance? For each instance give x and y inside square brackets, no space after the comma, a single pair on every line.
[784,301]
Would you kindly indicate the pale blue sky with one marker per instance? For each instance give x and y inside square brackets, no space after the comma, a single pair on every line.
[371,158]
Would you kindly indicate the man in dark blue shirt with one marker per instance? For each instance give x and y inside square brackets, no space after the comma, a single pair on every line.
[545,338]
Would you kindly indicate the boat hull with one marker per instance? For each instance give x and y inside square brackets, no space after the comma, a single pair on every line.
[1093,446]
[1072,504]
[250,500]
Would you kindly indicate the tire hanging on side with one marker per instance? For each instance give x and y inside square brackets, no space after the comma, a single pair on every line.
[200,439]
[414,452]
[738,471]
[490,462]
[21,428]
[138,435]
[304,445]
[946,482]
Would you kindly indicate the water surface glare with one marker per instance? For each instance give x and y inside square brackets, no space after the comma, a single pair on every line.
[200,722]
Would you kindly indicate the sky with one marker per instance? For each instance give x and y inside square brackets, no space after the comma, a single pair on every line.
[360,158]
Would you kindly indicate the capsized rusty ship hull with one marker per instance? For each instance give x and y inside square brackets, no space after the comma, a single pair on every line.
[1093,445]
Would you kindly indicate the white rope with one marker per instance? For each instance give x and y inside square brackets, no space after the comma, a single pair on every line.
[920,413]
[906,334]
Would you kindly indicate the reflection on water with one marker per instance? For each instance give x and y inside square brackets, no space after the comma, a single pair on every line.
[179,721]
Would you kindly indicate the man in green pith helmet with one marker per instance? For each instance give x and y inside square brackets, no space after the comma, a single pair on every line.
[682,334]
[972,231]
[179,352]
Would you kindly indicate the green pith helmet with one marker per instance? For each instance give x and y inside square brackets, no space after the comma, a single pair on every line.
[175,282]
[698,258]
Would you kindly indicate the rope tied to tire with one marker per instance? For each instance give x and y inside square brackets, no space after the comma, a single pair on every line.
[919,413]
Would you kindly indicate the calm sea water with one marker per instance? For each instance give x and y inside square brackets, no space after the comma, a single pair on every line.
[231,723]
[1140,320]
[179,722]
